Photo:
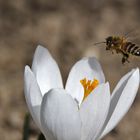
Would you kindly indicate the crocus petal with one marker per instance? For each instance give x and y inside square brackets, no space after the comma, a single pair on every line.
[86,68]
[32,95]
[120,86]
[46,70]
[122,99]
[60,116]
[93,111]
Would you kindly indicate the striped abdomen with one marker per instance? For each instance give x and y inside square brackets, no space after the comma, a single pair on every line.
[131,48]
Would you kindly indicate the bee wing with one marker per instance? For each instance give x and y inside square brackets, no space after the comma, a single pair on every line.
[132,34]
[135,39]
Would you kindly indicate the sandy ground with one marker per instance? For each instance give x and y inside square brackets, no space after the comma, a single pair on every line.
[68,28]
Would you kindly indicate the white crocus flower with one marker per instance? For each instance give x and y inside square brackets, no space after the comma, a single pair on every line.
[84,110]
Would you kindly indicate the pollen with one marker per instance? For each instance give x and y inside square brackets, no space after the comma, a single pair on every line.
[89,86]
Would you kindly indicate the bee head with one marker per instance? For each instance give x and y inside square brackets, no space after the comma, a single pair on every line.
[109,41]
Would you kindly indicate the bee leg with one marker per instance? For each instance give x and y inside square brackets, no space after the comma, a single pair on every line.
[125,58]
[108,48]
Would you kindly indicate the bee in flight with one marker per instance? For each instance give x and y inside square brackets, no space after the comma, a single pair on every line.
[123,46]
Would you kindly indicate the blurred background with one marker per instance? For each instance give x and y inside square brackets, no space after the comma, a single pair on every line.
[68,28]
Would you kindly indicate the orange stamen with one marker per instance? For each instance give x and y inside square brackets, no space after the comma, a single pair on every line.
[89,86]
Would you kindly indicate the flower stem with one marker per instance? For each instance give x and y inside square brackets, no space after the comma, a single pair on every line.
[26,127]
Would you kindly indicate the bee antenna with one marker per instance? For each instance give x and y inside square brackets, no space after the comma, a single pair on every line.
[99,43]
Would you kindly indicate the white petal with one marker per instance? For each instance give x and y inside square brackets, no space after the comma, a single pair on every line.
[60,116]
[32,95]
[86,68]
[122,99]
[119,86]
[46,70]
[94,111]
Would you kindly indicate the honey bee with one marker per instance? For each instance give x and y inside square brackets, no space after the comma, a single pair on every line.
[123,46]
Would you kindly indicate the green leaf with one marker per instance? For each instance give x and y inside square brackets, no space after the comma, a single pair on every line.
[26,127]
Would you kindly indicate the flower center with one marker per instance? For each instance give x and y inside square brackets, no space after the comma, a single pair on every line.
[89,86]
